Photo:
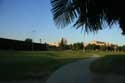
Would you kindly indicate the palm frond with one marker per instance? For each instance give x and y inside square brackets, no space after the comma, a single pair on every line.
[63,12]
[89,14]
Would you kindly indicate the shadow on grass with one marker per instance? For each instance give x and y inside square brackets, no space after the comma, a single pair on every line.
[23,68]
[109,64]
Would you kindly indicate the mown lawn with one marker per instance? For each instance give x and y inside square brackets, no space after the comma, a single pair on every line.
[109,64]
[23,65]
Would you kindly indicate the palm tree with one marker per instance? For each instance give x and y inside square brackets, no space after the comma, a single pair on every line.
[88,14]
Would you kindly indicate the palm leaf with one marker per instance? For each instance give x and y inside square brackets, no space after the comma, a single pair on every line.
[88,14]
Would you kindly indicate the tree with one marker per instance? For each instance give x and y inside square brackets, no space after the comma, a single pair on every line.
[28,40]
[63,43]
[88,14]
[123,47]
[103,48]
[77,46]
[92,47]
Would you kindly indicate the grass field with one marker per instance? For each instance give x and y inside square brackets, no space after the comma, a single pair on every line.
[109,64]
[21,65]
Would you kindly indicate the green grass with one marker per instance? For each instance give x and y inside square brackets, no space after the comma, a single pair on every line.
[21,65]
[109,64]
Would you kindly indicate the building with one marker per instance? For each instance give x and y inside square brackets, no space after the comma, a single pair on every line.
[56,44]
[12,44]
[100,43]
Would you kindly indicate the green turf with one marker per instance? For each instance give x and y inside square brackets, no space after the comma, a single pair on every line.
[21,65]
[109,64]
[18,65]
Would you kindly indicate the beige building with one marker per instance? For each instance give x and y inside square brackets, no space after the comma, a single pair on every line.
[100,43]
[54,44]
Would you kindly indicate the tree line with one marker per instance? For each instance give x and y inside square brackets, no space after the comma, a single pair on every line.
[81,46]
[27,45]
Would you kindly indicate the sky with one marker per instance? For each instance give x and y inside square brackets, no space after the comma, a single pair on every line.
[21,19]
